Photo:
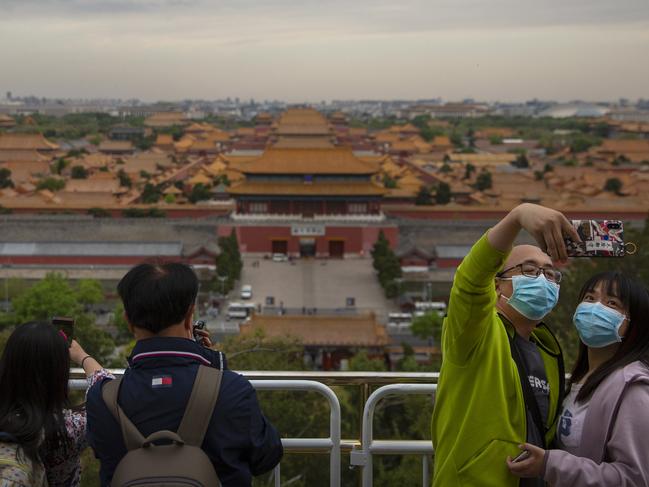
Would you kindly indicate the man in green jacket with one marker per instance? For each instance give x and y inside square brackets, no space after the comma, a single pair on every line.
[501,381]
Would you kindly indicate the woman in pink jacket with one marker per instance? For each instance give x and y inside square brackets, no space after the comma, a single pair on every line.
[604,428]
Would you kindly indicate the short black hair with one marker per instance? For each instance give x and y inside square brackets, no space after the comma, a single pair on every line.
[156,296]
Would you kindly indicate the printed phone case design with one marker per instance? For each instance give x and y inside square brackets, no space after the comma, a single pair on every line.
[600,238]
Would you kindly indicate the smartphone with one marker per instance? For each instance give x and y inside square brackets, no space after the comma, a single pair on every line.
[198,325]
[524,455]
[65,326]
[599,238]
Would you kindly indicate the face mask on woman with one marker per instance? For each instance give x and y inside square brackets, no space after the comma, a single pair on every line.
[598,325]
[533,297]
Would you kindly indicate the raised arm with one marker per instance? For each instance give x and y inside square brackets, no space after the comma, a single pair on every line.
[547,226]
[473,297]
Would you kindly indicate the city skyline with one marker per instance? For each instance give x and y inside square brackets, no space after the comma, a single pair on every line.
[313,51]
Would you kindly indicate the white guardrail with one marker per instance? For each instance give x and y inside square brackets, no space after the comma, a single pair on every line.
[390,384]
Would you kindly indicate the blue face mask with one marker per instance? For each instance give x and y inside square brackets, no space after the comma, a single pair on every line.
[533,297]
[598,325]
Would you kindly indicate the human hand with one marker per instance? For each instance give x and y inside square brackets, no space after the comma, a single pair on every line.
[204,338]
[548,227]
[532,466]
[77,353]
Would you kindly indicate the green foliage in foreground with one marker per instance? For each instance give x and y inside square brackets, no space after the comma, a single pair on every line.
[55,296]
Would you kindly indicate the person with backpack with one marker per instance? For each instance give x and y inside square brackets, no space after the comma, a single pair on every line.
[41,435]
[177,416]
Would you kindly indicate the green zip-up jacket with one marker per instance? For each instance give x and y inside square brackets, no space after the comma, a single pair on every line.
[479,416]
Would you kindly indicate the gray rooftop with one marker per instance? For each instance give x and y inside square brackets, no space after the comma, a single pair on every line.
[135,249]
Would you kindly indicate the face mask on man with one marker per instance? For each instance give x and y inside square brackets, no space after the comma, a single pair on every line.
[598,325]
[533,297]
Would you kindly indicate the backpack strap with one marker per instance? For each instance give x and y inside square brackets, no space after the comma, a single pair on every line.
[133,439]
[200,407]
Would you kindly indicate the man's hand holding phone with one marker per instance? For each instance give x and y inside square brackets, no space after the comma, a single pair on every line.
[529,463]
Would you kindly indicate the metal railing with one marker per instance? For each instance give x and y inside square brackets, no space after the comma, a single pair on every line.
[331,444]
[362,456]
[361,450]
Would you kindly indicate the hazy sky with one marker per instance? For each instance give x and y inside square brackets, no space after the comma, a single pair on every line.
[309,50]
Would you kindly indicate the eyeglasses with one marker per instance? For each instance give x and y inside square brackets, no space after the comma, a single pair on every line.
[532,270]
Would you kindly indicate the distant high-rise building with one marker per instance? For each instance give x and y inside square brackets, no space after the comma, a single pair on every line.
[9,95]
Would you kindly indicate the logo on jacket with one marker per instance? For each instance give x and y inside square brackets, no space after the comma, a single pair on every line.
[565,424]
[160,381]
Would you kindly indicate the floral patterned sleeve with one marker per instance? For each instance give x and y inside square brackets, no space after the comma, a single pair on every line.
[75,420]
[62,467]
[98,376]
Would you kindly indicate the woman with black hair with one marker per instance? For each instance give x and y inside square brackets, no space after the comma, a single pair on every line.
[603,432]
[36,419]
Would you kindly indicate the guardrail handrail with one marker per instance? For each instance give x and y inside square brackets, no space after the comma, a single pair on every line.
[327,378]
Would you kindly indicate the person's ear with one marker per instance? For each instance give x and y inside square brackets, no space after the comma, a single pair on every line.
[129,324]
[189,317]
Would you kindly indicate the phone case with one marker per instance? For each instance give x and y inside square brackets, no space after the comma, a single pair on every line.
[600,238]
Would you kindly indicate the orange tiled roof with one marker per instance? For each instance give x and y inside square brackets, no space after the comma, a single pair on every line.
[164,139]
[483,159]
[200,128]
[357,131]
[203,145]
[362,331]
[407,128]
[233,176]
[245,131]
[403,146]
[93,161]
[219,136]
[387,137]
[339,160]
[92,185]
[302,121]
[441,141]
[200,178]
[165,119]
[184,143]
[302,116]
[303,143]
[145,161]
[26,142]
[116,146]
[22,155]
[23,171]
[624,145]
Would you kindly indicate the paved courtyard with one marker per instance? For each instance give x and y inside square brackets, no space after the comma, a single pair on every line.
[323,285]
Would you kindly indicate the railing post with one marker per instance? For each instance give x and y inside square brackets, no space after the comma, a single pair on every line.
[363,458]
[278,481]
[426,470]
[334,415]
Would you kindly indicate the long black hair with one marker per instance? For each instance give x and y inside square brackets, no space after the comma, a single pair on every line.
[34,373]
[635,344]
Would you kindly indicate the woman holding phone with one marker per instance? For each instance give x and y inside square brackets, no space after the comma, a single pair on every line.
[603,433]
[35,412]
